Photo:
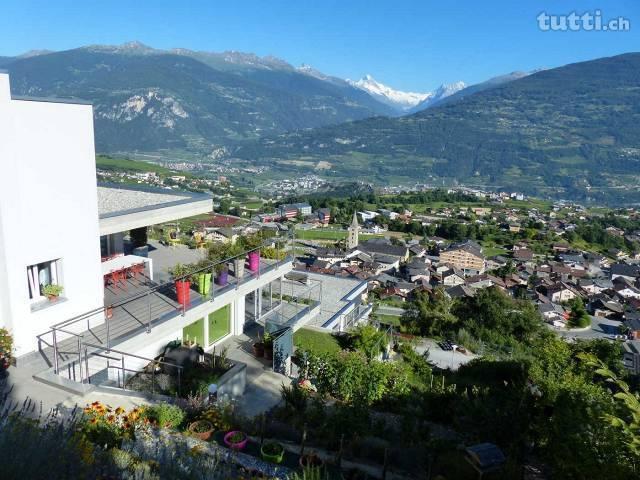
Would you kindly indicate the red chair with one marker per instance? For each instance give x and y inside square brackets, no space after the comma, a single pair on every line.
[137,270]
[118,276]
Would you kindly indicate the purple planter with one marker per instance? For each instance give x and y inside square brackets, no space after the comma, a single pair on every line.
[254,260]
[223,277]
[235,446]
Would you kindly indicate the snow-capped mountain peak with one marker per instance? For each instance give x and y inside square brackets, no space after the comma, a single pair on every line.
[385,94]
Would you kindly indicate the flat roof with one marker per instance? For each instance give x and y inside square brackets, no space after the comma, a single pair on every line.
[125,207]
[337,294]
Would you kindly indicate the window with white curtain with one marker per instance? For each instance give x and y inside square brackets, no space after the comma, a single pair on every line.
[42,274]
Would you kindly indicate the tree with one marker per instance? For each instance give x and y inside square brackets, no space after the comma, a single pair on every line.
[578,317]
[369,340]
[430,314]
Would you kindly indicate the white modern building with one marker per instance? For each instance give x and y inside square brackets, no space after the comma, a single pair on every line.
[58,227]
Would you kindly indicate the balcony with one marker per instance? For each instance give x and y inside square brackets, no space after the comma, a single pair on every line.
[137,305]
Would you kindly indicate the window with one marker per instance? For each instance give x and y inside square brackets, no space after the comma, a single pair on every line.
[42,274]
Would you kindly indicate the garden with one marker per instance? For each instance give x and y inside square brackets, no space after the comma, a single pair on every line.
[181,370]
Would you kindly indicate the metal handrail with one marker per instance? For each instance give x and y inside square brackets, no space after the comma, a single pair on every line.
[155,288]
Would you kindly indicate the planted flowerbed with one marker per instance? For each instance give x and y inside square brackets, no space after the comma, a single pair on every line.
[199,370]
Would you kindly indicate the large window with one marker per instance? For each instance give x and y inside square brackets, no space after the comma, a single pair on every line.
[45,273]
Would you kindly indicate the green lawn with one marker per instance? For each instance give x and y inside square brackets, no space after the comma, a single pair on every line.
[492,251]
[121,164]
[315,341]
[388,319]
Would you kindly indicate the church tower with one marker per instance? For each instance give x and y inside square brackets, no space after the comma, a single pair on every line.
[352,236]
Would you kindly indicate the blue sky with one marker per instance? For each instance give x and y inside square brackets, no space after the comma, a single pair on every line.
[411,45]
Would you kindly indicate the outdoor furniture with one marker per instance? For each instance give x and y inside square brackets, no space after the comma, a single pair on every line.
[173,239]
[116,269]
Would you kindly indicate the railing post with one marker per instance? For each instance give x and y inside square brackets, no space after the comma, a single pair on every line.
[86,365]
[108,334]
[55,352]
[80,360]
[213,282]
[123,373]
[149,310]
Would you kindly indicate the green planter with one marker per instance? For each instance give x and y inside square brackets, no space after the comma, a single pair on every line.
[204,283]
[272,452]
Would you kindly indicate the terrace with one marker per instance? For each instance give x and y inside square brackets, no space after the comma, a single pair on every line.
[137,306]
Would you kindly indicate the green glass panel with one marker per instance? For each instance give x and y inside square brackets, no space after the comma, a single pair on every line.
[219,323]
[194,332]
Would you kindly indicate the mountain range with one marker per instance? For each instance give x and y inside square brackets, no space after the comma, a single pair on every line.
[569,132]
[566,132]
[405,101]
[195,104]
[180,100]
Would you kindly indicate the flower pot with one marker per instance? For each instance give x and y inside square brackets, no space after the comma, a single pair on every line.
[183,291]
[310,460]
[205,425]
[235,445]
[258,349]
[238,267]
[254,260]
[268,352]
[268,456]
[204,283]
[223,277]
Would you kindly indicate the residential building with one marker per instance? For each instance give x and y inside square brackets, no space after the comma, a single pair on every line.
[57,227]
[466,256]
[294,209]
[324,215]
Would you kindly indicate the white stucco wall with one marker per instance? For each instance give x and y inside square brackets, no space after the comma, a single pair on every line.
[48,210]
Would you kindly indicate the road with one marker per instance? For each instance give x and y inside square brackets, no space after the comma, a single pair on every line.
[600,328]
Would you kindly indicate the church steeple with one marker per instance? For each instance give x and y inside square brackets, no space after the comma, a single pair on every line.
[352,236]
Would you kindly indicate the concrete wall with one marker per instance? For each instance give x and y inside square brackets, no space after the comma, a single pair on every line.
[48,211]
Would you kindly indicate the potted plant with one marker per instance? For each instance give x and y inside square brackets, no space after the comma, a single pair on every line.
[268,346]
[272,452]
[222,271]
[311,460]
[253,243]
[203,277]
[52,291]
[6,349]
[236,440]
[202,429]
[181,274]
[235,252]
[258,348]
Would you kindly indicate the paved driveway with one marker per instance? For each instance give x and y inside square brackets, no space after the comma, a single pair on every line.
[443,358]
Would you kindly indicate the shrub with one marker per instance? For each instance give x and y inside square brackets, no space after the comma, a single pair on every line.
[295,397]
[165,415]
[218,417]
[6,348]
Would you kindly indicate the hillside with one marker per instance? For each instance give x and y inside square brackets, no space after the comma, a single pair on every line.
[572,131]
[152,100]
